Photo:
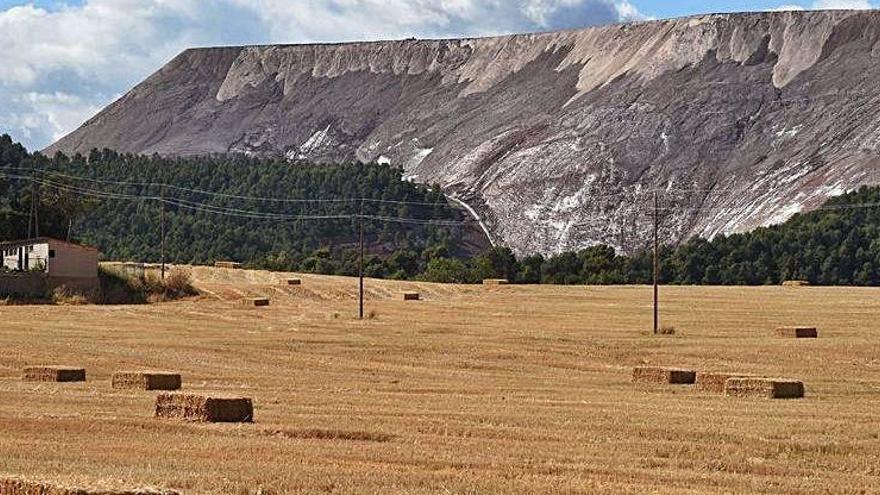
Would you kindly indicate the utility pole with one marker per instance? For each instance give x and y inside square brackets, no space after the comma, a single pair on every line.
[162,232]
[33,198]
[361,262]
[656,264]
[36,203]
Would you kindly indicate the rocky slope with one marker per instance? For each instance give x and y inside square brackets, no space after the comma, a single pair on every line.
[555,140]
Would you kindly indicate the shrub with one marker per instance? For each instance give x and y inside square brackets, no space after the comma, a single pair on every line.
[667,330]
[178,284]
[64,296]
[119,288]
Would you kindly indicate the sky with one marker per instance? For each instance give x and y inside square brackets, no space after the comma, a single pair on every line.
[64,60]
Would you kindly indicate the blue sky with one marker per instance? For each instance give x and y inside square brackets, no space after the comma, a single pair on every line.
[64,60]
[651,8]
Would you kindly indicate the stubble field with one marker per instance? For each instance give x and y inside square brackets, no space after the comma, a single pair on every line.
[473,390]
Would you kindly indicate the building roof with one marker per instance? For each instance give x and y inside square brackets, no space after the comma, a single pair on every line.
[41,240]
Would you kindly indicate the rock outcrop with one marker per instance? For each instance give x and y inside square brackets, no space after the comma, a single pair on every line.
[557,140]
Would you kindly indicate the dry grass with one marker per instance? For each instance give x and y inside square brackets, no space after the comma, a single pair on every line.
[64,296]
[520,391]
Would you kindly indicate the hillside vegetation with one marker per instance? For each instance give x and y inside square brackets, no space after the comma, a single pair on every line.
[836,245]
[309,225]
[839,244]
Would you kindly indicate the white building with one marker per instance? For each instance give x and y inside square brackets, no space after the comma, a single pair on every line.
[64,263]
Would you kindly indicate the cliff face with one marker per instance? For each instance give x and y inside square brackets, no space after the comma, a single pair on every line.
[555,140]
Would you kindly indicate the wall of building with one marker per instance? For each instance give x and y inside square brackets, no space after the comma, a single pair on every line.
[71,261]
[23,284]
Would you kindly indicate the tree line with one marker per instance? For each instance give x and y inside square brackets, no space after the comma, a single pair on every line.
[126,223]
[838,244]
[835,245]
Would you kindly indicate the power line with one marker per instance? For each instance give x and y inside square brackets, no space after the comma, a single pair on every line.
[255,214]
[228,211]
[160,185]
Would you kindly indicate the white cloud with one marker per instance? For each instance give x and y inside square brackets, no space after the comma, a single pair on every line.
[830,5]
[60,66]
[842,4]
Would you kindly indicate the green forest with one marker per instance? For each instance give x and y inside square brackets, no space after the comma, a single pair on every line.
[112,201]
[835,245]
[839,244]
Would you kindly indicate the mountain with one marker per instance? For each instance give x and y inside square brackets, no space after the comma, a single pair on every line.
[555,140]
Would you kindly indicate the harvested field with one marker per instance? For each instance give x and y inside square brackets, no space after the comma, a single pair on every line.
[713,382]
[189,407]
[770,388]
[146,380]
[53,374]
[669,376]
[473,391]
[798,332]
[17,486]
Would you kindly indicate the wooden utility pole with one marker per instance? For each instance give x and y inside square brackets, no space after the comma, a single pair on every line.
[33,199]
[36,209]
[162,232]
[361,263]
[656,264]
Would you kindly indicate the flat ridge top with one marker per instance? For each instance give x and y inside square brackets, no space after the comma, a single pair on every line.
[503,36]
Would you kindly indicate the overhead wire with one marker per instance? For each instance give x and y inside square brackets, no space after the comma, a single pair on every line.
[225,210]
[159,185]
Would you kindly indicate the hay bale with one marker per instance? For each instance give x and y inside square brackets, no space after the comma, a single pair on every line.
[188,407]
[798,332]
[673,376]
[294,281]
[496,281]
[771,388]
[411,296]
[232,265]
[256,302]
[61,374]
[796,283]
[146,380]
[714,382]
[18,486]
